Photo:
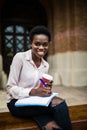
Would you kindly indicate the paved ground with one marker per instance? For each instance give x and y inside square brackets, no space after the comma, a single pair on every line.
[72,95]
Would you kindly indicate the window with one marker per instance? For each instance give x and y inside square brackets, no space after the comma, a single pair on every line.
[16,39]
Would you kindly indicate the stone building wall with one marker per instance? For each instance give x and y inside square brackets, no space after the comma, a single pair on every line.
[69,48]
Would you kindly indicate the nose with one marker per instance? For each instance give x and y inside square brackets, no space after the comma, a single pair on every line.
[41,47]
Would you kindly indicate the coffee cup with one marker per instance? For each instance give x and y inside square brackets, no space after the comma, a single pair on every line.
[45,79]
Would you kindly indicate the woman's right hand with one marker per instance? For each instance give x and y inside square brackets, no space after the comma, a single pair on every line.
[44,91]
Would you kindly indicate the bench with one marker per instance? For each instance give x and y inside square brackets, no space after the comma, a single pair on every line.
[78,115]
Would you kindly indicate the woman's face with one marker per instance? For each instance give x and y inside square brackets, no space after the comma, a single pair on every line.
[40,45]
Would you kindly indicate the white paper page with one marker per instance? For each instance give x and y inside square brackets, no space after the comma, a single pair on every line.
[35,101]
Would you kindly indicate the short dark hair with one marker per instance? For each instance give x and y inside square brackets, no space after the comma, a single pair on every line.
[40,30]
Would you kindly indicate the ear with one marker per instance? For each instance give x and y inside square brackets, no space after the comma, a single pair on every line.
[50,42]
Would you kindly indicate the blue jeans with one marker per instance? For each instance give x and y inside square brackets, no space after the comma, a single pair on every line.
[43,115]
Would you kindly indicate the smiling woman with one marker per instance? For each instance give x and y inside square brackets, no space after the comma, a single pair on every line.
[30,66]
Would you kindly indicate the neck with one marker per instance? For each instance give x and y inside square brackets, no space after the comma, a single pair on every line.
[36,60]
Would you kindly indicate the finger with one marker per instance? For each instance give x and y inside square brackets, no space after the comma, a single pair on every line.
[49,84]
[49,87]
[47,91]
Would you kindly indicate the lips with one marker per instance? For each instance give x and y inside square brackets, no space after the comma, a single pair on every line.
[41,53]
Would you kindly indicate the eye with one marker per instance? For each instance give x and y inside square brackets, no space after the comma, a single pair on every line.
[45,44]
[37,44]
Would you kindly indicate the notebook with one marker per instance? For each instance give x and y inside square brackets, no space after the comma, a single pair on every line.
[35,101]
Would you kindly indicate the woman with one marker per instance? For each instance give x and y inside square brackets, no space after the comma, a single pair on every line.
[25,72]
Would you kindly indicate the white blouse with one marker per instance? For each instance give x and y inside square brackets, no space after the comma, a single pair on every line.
[24,75]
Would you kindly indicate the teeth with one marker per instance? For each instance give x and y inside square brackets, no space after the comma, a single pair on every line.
[41,53]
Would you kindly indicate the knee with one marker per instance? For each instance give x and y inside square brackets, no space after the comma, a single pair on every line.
[60,108]
[56,101]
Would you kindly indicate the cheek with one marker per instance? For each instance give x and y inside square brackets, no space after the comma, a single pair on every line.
[33,47]
[34,50]
[46,48]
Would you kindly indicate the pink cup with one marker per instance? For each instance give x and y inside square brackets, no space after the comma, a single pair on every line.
[46,78]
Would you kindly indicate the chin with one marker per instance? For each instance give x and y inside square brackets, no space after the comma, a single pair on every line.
[40,56]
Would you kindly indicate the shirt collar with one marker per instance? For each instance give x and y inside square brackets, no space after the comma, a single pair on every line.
[28,56]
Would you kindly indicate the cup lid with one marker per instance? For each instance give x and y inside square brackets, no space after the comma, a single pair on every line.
[47,76]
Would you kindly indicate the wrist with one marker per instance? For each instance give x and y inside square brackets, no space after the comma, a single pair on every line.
[32,92]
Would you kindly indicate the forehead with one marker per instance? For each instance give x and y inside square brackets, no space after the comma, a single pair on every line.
[40,37]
